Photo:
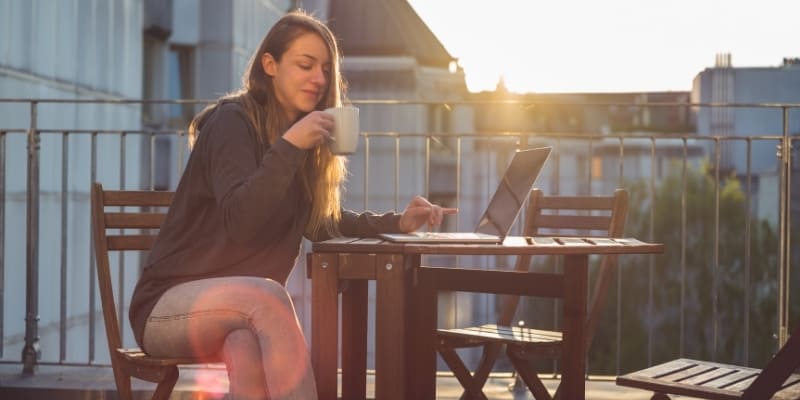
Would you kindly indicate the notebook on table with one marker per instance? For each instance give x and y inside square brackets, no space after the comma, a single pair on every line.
[503,208]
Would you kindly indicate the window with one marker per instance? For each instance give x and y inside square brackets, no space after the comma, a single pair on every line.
[162,162]
[597,167]
[180,79]
[168,74]
[153,80]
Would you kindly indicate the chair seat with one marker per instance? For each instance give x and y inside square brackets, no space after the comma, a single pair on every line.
[137,356]
[504,334]
[703,379]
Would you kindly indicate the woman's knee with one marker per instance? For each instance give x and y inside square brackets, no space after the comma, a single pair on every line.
[271,306]
[269,292]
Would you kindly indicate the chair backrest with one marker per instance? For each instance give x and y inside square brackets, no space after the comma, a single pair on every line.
[586,216]
[128,224]
[777,371]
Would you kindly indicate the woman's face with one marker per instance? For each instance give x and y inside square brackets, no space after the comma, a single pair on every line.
[301,77]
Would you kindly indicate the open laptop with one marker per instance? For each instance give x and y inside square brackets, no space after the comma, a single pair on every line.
[502,210]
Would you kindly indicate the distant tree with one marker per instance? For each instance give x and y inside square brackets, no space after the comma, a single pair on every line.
[651,290]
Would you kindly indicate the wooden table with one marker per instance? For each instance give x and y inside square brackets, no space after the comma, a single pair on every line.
[405,364]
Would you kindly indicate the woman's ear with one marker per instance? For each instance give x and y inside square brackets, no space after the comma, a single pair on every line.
[269,64]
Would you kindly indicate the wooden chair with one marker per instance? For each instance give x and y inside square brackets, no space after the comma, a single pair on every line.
[707,380]
[601,216]
[129,229]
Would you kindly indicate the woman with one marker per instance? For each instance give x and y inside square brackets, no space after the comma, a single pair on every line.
[259,178]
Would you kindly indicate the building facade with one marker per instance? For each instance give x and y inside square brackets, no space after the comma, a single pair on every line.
[109,64]
[752,87]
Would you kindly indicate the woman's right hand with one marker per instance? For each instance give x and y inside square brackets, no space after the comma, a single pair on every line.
[310,131]
[419,211]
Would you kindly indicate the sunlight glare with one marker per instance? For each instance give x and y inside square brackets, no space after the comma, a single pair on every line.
[610,45]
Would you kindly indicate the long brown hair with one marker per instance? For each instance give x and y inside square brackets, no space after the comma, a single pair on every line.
[323,172]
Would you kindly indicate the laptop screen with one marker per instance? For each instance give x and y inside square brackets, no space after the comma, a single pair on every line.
[512,191]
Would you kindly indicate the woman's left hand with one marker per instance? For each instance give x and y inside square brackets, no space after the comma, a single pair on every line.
[419,212]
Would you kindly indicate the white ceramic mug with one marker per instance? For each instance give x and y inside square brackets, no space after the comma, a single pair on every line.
[344,138]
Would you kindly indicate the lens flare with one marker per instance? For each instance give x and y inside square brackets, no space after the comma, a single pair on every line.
[284,357]
[213,384]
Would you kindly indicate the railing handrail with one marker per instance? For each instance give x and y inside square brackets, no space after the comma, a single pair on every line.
[597,138]
[428,102]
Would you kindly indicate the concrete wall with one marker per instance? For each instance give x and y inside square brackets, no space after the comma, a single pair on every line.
[96,49]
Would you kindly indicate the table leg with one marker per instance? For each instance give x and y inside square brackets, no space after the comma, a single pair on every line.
[390,329]
[324,322]
[354,340]
[574,346]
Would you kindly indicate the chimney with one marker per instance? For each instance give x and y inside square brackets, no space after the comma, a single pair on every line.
[791,62]
[723,60]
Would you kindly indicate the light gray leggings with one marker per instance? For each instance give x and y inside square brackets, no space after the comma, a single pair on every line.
[250,321]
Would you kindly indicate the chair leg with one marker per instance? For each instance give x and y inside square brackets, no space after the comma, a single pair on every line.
[529,376]
[164,388]
[488,358]
[471,389]
[123,385]
[121,379]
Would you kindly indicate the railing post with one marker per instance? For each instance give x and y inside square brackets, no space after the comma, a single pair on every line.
[31,351]
[785,156]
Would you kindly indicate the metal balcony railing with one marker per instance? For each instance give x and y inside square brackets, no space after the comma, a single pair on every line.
[720,200]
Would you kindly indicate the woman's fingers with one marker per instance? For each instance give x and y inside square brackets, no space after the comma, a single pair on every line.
[310,131]
[420,211]
[325,125]
[437,213]
[436,216]
[432,213]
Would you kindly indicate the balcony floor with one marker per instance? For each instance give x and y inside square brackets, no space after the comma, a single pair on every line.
[86,383]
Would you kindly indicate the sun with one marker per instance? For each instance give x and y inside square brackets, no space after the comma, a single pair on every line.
[505,40]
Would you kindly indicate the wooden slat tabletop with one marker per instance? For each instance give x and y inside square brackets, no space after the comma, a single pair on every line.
[511,245]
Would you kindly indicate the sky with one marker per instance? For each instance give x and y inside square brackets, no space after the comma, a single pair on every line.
[608,45]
